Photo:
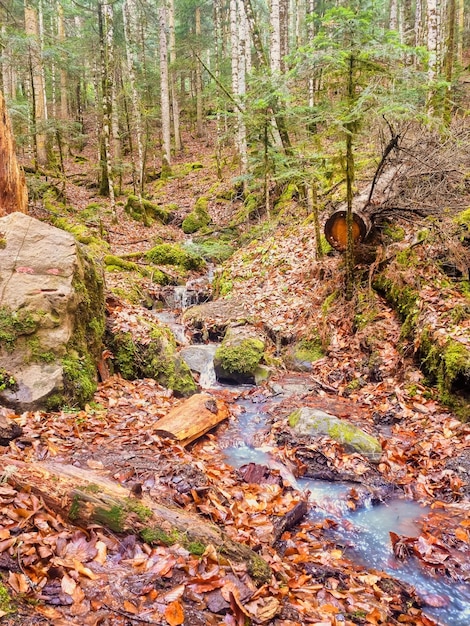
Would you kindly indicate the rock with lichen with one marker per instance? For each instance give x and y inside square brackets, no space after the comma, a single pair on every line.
[51,316]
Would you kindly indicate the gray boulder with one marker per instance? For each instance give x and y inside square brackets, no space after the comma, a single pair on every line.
[238,359]
[51,316]
[307,421]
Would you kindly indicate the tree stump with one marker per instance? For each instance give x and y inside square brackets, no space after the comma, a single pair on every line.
[336,231]
[13,191]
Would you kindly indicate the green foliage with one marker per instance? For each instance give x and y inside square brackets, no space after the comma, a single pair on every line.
[213,250]
[112,517]
[393,232]
[6,604]
[174,254]
[7,381]
[14,324]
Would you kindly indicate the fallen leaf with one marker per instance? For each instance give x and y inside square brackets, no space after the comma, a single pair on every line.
[174,614]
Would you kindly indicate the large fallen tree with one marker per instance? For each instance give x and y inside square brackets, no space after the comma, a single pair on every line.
[84,497]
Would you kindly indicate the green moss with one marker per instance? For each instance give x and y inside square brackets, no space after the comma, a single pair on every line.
[404,299]
[212,250]
[308,350]
[463,219]
[142,511]
[294,418]
[156,359]
[3,243]
[242,357]
[327,302]
[91,488]
[198,218]
[74,511]
[14,324]
[79,377]
[174,254]
[6,605]
[157,535]
[112,517]
[195,547]
[37,352]
[7,381]
[223,284]
[142,210]
[393,232]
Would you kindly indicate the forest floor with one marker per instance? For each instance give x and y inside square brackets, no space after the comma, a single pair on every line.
[59,574]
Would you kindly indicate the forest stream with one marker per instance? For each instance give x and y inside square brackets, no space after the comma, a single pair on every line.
[363,533]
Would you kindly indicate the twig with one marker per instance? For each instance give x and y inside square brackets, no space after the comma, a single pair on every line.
[133,618]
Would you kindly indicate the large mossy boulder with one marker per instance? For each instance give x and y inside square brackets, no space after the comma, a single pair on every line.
[147,212]
[238,359]
[198,218]
[313,422]
[51,316]
[149,351]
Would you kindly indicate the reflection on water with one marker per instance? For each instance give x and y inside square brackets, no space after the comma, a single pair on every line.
[364,532]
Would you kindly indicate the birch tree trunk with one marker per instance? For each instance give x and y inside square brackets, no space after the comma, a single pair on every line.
[164,89]
[13,191]
[393,20]
[174,78]
[199,111]
[37,85]
[105,25]
[129,13]
[217,36]
[275,42]
[432,38]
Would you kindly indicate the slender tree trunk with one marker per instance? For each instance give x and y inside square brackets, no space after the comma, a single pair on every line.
[275,43]
[284,32]
[13,191]
[130,34]
[165,93]
[105,24]
[349,186]
[418,27]
[432,38]
[235,65]
[450,57]
[199,111]
[217,37]
[37,84]
[393,20]
[243,35]
[460,30]
[174,78]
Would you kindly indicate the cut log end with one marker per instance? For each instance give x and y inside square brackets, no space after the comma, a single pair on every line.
[336,231]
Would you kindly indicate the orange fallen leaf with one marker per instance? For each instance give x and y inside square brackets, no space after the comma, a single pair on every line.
[174,614]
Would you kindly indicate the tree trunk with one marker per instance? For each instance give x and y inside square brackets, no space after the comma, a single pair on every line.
[349,186]
[449,60]
[284,32]
[173,77]
[84,497]
[37,85]
[275,43]
[199,111]
[165,92]
[129,13]
[105,24]
[13,191]
[433,38]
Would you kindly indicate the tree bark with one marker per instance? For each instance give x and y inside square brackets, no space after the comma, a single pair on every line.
[199,110]
[84,497]
[164,89]
[191,419]
[13,191]
[173,77]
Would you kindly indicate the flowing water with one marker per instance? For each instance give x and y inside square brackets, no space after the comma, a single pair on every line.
[364,533]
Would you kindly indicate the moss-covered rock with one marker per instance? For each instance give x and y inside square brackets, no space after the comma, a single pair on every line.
[144,211]
[52,318]
[174,254]
[301,355]
[198,218]
[239,355]
[151,353]
[308,421]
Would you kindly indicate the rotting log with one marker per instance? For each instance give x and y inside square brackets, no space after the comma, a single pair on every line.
[336,231]
[191,419]
[85,497]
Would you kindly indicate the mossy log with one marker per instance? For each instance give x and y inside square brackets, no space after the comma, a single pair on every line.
[336,231]
[192,418]
[84,497]
[441,340]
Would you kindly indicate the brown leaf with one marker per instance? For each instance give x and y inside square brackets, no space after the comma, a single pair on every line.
[174,614]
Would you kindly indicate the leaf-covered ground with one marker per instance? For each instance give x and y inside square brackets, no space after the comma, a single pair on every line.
[55,573]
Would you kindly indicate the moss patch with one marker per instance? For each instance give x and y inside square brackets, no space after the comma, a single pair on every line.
[144,211]
[153,358]
[239,356]
[7,381]
[198,218]
[6,604]
[14,324]
[174,254]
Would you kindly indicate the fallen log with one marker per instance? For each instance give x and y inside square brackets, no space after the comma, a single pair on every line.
[84,497]
[191,419]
